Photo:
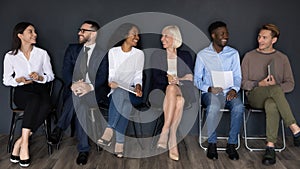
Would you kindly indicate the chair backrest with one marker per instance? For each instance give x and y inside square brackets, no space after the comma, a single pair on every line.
[56,94]
[11,99]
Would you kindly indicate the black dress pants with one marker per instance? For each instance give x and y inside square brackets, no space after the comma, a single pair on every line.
[35,100]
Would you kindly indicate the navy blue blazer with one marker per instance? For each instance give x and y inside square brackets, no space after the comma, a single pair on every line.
[97,70]
[159,67]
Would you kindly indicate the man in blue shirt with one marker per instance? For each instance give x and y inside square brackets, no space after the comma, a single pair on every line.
[220,57]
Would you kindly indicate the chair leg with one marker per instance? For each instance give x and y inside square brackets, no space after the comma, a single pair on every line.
[135,132]
[157,127]
[73,126]
[247,138]
[47,129]
[12,132]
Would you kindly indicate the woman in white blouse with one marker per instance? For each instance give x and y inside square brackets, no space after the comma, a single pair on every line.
[125,71]
[28,69]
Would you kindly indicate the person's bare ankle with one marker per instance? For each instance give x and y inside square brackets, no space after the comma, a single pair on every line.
[17,146]
[24,152]
[107,135]
[270,144]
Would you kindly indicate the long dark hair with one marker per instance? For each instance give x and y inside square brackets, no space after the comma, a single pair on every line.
[120,35]
[16,41]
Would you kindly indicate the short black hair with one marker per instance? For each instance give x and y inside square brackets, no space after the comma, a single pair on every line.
[94,24]
[215,25]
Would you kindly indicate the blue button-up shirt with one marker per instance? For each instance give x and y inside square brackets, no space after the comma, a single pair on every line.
[209,60]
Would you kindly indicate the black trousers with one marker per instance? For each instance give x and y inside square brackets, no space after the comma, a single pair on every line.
[35,100]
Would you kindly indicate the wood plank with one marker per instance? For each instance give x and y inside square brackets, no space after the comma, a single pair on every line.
[191,156]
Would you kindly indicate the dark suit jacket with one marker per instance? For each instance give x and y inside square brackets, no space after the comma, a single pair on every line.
[159,67]
[97,70]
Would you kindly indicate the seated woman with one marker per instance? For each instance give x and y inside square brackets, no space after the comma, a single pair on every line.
[172,73]
[28,69]
[125,71]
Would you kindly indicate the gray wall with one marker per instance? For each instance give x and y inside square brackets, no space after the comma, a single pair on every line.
[57,23]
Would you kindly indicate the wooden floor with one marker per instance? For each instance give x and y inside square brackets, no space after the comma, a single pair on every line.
[191,157]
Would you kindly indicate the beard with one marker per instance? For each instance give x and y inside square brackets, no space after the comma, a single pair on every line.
[82,39]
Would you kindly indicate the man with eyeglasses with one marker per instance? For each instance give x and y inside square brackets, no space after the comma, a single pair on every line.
[85,74]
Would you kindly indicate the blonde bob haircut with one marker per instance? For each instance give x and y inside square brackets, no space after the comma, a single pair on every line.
[174,31]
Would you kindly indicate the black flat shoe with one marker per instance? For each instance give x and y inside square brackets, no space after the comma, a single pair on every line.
[297,140]
[24,163]
[82,158]
[103,142]
[269,156]
[14,159]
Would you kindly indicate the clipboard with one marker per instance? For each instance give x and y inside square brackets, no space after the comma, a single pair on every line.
[129,90]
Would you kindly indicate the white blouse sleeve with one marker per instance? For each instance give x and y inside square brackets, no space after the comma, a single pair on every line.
[8,79]
[47,69]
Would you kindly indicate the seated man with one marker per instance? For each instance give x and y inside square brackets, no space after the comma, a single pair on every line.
[82,78]
[266,87]
[220,57]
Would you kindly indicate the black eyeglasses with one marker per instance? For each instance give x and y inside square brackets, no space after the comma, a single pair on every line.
[84,30]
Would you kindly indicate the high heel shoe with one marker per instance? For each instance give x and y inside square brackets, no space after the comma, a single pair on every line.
[119,154]
[24,163]
[103,142]
[14,159]
[173,156]
[119,150]
[173,153]
[24,153]
[173,149]
[163,140]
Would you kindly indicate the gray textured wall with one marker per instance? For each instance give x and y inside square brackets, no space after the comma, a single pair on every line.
[57,23]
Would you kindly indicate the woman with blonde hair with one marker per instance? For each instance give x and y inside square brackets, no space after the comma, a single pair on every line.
[172,73]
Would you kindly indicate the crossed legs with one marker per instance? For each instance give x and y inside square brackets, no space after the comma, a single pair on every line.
[173,108]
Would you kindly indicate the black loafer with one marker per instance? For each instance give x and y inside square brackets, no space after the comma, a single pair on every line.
[14,159]
[212,151]
[82,158]
[269,156]
[231,151]
[24,163]
[297,140]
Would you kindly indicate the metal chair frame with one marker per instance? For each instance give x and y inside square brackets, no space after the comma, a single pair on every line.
[250,110]
[201,119]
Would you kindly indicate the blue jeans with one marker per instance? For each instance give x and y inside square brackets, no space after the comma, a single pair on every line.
[213,105]
[120,108]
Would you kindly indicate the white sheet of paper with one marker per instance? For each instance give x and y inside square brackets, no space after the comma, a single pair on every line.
[222,79]
[129,90]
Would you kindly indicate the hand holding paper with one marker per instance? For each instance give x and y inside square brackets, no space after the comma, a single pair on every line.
[223,79]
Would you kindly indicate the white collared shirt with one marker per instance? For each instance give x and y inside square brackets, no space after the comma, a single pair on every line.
[18,65]
[125,68]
